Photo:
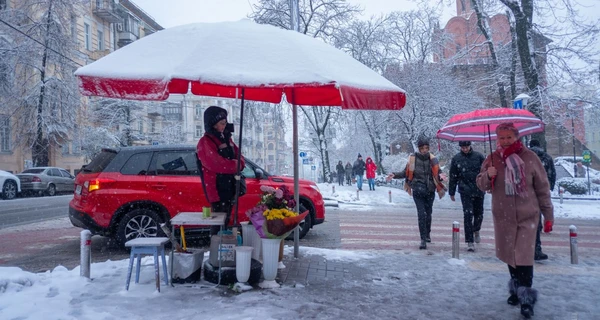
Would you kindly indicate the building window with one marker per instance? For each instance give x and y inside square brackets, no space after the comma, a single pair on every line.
[88,36]
[271,157]
[198,111]
[198,130]
[4,134]
[153,126]
[3,4]
[141,126]
[100,40]
[270,146]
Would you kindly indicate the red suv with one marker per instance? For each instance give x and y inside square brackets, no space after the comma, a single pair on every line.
[126,193]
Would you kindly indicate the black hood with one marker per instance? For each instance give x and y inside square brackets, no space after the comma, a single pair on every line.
[212,115]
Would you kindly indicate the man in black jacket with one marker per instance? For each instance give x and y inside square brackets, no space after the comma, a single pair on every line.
[463,172]
[548,163]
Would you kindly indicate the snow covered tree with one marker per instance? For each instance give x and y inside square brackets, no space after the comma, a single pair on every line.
[43,98]
[118,117]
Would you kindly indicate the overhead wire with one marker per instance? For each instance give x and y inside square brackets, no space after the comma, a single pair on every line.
[35,40]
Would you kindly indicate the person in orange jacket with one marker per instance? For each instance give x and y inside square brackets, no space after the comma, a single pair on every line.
[371,170]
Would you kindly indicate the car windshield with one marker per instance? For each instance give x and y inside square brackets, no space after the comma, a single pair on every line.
[33,171]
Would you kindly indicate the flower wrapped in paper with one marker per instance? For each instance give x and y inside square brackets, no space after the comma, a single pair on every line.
[273,217]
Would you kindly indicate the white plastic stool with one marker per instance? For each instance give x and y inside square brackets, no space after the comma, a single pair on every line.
[141,246]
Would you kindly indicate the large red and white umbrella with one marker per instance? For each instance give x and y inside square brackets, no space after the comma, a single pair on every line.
[242,60]
[480,125]
[221,59]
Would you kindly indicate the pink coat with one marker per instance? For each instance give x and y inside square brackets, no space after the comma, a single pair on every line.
[371,168]
[516,218]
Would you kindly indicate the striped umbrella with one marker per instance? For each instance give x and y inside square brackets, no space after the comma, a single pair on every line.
[480,125]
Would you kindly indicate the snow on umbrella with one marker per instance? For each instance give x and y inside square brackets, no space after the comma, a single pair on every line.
[239,60]
[219,59]
[480,125]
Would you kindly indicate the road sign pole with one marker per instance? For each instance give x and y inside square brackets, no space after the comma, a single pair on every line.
[588,174]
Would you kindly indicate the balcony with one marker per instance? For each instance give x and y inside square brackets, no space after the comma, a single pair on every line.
[106,10]
[125,38]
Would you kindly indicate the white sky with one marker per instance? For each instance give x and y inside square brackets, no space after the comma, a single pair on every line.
[177,12]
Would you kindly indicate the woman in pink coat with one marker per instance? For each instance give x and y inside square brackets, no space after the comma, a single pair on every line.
[520,190]
[371,169]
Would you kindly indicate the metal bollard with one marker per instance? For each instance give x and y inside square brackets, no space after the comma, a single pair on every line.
[560,194]
[390,195]
[85,247]
[332,189]
[455,239]
[573,238]
[357,195]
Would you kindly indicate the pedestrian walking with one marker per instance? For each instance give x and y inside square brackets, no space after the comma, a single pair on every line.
[520,190]
[341,171]
[548,163]
[463,173]
[218,156]
[371,168]
[422,181]
[358,170]
[348,169]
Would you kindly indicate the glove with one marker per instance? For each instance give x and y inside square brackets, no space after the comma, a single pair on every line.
[548,226]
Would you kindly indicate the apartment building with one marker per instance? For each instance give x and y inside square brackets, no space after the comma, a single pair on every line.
[98,28]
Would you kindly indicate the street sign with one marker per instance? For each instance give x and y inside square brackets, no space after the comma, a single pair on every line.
[518,104]
[302,154]
[154,143]
[587,156]
[313,168]
[305,161]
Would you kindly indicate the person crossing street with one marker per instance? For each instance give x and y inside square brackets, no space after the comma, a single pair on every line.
[463,173]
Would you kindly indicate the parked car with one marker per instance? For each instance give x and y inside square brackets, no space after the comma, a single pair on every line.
[46,180]
[10,185]
[126,193]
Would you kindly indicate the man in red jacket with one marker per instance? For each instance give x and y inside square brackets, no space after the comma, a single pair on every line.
[218,155]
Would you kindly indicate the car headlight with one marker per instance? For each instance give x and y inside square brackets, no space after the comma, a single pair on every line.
[314,186]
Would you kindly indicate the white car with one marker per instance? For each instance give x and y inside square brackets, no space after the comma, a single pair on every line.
[10,185]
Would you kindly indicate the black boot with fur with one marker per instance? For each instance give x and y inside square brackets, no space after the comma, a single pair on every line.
[513,285]
[527,297]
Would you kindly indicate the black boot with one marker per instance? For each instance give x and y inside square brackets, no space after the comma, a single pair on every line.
[527,297]
[513,285]
[423,245]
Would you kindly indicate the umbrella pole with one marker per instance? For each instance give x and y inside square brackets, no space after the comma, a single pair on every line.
[296,175]
[239,158]
[490,140]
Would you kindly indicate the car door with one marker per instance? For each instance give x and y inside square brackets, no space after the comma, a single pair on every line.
[56,178]
[174,181]
[69,181]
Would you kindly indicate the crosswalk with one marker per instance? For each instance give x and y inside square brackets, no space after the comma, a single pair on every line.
[397,229]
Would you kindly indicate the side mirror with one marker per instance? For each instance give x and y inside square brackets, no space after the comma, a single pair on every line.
[259,173]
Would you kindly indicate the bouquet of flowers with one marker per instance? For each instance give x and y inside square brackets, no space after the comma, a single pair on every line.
[273,217]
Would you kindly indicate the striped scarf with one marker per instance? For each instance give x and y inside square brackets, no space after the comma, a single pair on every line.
[514,172]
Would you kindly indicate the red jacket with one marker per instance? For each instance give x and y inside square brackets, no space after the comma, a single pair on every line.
[371,168]
[213,163]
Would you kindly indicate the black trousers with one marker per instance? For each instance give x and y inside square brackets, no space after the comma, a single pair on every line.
[349,180]
[424,209]
[473,212]
[538,242]
[523,274]
[340,179]
[221,206]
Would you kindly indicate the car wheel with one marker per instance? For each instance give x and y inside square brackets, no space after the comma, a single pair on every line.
[9,190]
[304,225]
[51,191]
[139,223]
